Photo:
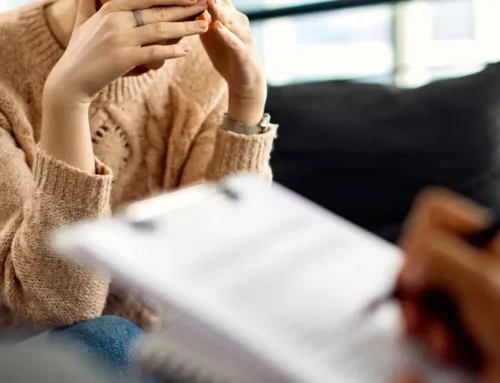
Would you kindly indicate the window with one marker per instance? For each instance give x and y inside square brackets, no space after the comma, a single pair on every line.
[461,25]
[410,43]
[252,5]
[439,39]
[353,43]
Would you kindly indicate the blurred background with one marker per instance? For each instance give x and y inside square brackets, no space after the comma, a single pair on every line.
[407,43]
[372,104]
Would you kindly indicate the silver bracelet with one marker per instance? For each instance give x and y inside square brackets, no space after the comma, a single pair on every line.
[238,127]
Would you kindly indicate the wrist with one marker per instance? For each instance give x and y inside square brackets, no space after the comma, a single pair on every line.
[248,107]
[57,92]
[64,105]
[65,133]
[247,111]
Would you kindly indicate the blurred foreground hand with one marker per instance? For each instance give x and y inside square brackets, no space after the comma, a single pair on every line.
[438,257]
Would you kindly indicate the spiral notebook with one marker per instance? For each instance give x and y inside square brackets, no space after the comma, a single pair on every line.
[262,285]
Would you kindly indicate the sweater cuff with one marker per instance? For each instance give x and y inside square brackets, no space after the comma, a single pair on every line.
[56,178]
[239,153]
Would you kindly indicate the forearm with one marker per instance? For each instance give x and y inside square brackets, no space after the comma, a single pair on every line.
[41,285]
[35,282]
[36,198]
[66,132]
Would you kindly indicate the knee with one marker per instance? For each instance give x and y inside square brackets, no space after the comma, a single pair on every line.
[106,327]
[108,337]
[108,321]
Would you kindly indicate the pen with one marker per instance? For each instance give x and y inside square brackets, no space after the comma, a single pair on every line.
[440,306]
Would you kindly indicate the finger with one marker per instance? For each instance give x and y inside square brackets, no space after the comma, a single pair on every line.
[438,210]
[151,33]
[230,39]
[448,263]
[443,208]
[226,13]
[156,53]
[130,5]
[86,8]
[413,317]
[217,11]
[233,20]
[169,14]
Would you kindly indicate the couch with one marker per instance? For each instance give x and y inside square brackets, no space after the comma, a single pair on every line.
[364,151]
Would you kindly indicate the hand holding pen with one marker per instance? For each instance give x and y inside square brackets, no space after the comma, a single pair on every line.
[449,286]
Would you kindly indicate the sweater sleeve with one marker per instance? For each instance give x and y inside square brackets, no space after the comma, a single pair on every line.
[35,282]
[217,153]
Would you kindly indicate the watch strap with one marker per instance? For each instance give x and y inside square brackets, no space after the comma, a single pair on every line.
[239,128]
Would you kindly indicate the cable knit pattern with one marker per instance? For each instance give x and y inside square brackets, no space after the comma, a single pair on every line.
[150,133]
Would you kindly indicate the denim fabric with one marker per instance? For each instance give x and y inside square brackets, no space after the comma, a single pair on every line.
[108,338]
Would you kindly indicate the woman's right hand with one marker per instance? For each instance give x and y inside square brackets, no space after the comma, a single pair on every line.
[437,256]
[107,44]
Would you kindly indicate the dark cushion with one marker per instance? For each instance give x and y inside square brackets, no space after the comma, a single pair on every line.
[364,151]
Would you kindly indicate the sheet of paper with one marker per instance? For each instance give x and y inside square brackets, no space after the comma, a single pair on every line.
[277,274]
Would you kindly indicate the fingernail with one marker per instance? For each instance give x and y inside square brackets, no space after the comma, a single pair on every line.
[219,28]
[202,24]
[216,2]
[193,1]
[186,48]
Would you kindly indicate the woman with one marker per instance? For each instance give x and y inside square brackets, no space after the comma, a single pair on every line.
[99,107]
[439,257]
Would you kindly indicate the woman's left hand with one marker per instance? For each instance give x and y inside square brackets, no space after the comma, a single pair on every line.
[229,44]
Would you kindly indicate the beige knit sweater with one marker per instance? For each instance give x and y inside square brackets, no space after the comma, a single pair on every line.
[150,133]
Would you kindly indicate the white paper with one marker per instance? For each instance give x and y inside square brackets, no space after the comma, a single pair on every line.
[275,274]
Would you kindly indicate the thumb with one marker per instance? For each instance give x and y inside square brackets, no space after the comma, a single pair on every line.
[86,9]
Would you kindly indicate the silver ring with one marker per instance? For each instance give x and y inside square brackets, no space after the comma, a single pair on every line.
[139,17]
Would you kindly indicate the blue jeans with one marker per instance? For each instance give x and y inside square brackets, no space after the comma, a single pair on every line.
[108,340]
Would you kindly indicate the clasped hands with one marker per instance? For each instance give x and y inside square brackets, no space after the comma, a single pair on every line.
[109,43]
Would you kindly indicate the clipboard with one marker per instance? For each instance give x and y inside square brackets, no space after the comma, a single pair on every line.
[270,276]
[157,210]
